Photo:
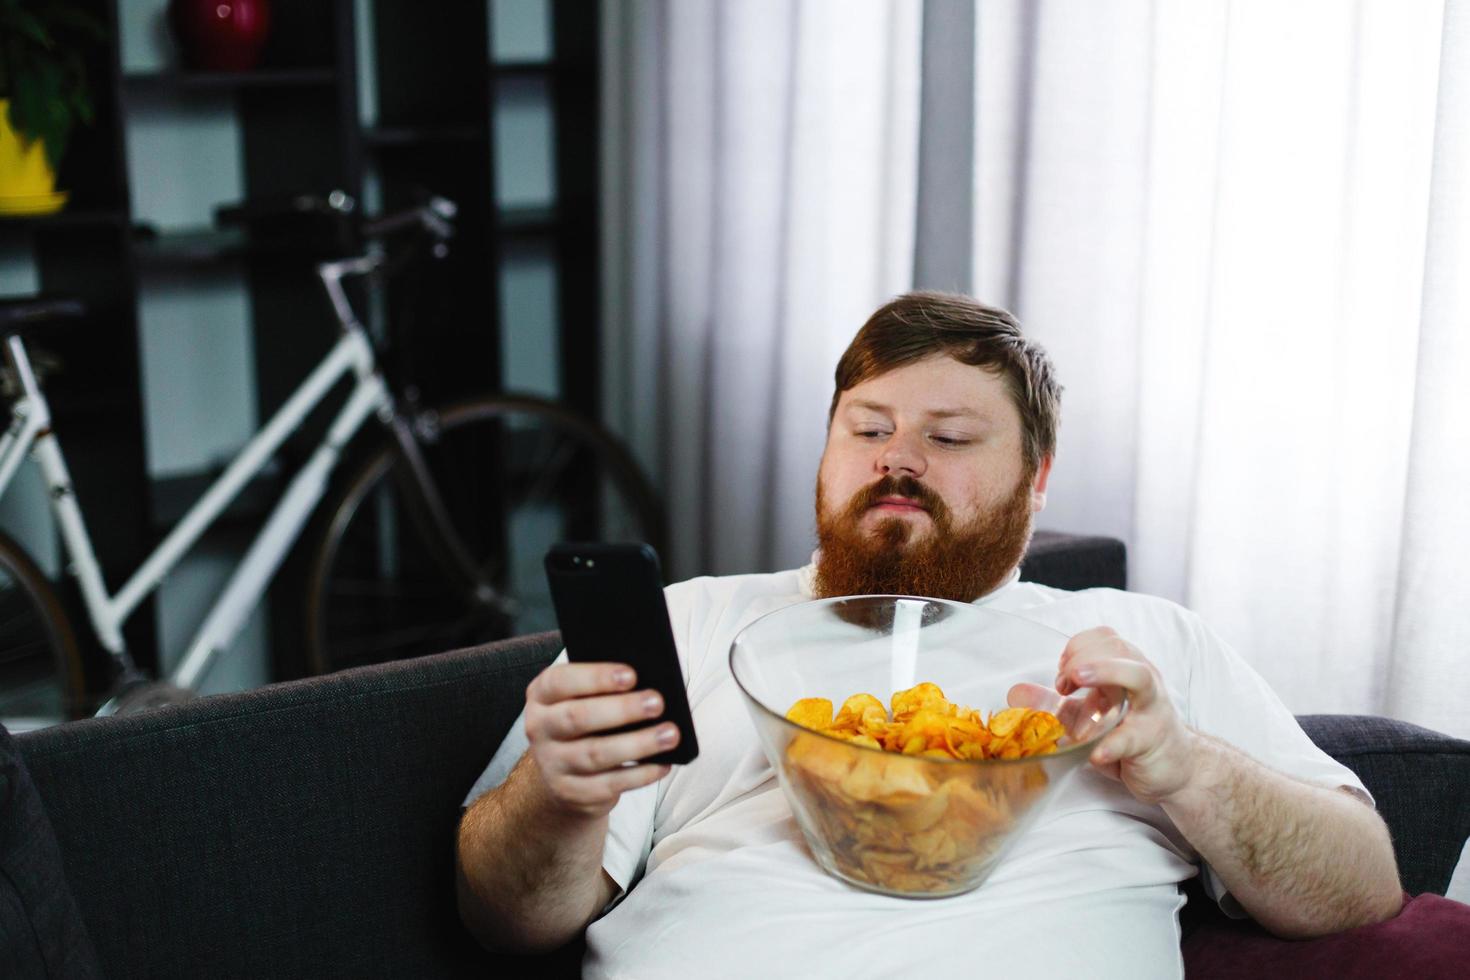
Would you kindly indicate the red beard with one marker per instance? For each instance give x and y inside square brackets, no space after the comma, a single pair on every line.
[961,564]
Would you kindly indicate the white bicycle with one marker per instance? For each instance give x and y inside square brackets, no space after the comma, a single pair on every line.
[433,540]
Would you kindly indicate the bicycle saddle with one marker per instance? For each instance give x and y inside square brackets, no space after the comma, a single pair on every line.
[32,315]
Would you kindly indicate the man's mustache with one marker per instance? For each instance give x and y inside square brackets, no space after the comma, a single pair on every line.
[896,486]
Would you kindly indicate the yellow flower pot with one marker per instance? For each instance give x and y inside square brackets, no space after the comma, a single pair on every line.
[27,182]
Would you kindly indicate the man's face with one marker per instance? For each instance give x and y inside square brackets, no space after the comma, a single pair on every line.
[923,486]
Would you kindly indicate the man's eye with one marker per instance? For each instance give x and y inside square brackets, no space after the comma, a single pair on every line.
[869,433]
[951,441]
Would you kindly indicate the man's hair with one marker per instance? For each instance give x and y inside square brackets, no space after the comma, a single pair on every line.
[921,324]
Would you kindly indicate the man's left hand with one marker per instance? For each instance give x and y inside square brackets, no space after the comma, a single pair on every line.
[1152,751]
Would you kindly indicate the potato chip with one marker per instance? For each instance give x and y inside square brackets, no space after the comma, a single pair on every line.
[925,695]
[1001,724]
[821,757]
[932,847]
[1039,732]
[910,826]
[876,778]
[813,713]
[857,709]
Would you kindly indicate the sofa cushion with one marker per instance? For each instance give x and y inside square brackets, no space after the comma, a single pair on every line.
[41,932]
[1429,939]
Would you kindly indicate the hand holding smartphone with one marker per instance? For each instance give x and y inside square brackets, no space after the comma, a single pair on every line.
[610,607]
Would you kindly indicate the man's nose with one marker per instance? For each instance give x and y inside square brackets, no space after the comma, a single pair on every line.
[901,456]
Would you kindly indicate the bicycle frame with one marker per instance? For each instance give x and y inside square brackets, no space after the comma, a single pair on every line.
[30,431]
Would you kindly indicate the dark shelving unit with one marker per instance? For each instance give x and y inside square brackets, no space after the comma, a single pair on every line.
[384,137]
[301,131]
[11,225]
[173,81]
[197,247]
[95,391]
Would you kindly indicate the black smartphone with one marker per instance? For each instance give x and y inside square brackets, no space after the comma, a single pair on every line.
[609,602]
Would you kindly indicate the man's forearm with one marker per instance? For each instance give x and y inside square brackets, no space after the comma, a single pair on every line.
[529,877]
[1302,860]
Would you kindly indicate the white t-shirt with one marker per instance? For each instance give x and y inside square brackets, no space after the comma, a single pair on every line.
[718,881]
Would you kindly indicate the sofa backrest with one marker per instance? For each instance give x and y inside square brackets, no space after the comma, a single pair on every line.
[300,830]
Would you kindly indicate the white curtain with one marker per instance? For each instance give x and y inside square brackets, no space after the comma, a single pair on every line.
[1431,636]
[761,156]
[1240,228]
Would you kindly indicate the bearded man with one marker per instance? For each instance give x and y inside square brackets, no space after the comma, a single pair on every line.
[940,442]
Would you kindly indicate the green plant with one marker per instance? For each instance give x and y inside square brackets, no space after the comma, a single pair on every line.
[43,71]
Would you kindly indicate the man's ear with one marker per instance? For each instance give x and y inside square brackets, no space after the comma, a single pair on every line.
[1038,486]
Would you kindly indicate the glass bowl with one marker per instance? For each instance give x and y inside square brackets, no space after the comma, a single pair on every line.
[910,825]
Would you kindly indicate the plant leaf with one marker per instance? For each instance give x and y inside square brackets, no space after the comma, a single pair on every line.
[24,22]
[45,80]
[79,22]
[26,105]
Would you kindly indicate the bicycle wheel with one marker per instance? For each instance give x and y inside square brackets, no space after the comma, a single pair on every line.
[41,680]
[516,474]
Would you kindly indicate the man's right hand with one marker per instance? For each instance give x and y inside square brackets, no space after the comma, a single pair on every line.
[582,771]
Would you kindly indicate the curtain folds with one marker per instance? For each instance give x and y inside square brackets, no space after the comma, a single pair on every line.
[764,165]
[1431,622]
[1240,228]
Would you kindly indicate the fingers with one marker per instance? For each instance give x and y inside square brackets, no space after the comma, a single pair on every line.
[561,681]
[1134,676]
[590,774]
[633,777]
[589,756]
[1077,715]
[1124,742]
[579,717]
[1028,695]
[595,794]
[1101,658]
[567,706]
[1151,750]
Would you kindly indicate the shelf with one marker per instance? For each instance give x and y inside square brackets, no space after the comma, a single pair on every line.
[66,218]
[194,247]
[528,220]
[536,69]
[208,246]
[526,69]
[384,137]
[175,80]
[294,125]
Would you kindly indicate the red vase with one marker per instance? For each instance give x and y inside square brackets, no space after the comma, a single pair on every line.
[220,35]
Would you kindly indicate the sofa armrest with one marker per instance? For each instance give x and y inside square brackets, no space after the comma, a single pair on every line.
[1420,780]
[303,829]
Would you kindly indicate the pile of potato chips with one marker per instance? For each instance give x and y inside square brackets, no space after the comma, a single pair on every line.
[897,821]
[927,723]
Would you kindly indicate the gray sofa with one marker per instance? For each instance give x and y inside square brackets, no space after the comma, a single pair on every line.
[306,829]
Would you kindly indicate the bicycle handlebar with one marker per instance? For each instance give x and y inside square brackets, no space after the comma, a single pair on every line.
[334,204]
[434,217]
